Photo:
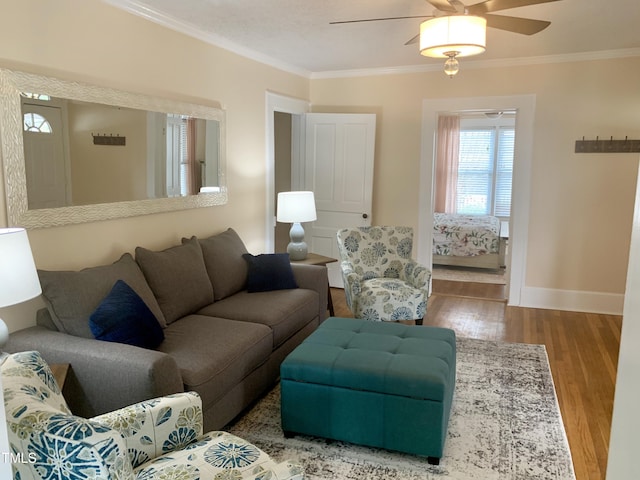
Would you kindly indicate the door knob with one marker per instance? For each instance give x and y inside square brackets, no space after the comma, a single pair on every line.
[365,216]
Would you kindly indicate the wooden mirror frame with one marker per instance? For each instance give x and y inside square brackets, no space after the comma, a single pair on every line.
[12,83]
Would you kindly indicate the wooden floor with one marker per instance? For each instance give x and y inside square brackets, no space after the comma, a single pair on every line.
[582,350]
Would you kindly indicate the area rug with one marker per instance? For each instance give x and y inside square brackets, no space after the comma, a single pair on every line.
[463,274]
[505,425]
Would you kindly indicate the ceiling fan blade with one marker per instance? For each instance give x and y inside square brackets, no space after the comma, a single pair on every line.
[442,5]
[379,19]
[526,26]
[489,6]
[413,40]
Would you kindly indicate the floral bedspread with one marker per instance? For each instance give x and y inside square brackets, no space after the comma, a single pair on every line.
[465,235]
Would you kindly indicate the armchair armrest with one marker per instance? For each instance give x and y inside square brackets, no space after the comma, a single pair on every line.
[417,275]
[313,277]
[155,427]
[352,283]
[104,376]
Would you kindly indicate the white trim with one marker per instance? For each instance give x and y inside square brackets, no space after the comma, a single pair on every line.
[519,221]
[572,300]
[155,16]
[478,64]
[140,9]
[275,103]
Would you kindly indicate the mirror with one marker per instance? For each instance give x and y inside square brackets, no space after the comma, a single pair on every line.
[120,154]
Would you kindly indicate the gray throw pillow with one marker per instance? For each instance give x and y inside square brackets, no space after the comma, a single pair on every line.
[178,278]
[72,297]
[225,265]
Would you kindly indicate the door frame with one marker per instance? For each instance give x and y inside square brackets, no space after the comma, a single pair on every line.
[519,220]
[296,107]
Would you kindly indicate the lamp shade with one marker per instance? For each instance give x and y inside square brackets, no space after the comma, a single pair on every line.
[463,35]
[18,276]
[296,207]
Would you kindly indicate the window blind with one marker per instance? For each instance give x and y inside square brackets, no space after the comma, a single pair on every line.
[485,171]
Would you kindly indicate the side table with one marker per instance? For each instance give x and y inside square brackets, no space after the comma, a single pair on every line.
[60,371]
[316,259]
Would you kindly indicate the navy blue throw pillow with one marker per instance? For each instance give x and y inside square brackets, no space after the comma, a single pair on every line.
[269,271]
[123,317]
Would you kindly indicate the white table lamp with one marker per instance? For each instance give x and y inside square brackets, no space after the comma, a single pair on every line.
[18,276]
[18,283]
[295,208]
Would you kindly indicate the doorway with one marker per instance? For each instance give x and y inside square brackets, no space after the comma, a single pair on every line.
[524,105]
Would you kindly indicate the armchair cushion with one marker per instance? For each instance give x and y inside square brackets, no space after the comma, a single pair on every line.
[124,318]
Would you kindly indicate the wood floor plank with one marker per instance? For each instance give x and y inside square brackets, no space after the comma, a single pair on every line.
[582,349]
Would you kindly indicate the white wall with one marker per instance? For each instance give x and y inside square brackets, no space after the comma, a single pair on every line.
[624,443]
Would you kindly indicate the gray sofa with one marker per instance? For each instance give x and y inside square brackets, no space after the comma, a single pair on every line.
[219,339]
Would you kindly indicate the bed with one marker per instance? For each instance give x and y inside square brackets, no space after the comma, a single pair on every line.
[468,241]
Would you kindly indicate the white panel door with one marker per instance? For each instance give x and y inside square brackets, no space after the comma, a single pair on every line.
[339,155]
[45,165]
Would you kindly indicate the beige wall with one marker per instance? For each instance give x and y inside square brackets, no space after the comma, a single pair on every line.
[581,204]
[107,173]
[96,43]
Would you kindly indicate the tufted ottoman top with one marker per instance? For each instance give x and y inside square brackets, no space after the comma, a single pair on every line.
[389,358]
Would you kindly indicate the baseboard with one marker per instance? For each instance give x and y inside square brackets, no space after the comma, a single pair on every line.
[572,300]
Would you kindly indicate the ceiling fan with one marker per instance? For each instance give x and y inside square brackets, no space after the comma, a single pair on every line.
[457,30]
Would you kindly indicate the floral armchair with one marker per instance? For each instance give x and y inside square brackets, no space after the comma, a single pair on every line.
[381,280]
[155,439]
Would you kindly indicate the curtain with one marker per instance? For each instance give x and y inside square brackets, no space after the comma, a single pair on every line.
[446,175]
[193,166]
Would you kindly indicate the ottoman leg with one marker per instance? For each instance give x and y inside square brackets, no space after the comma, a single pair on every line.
[433,460]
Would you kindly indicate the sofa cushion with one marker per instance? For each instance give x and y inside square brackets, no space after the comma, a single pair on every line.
[178,278]
[269,271]
[123,317]
[284,311]
[215,354]
[72,296]
[223,258]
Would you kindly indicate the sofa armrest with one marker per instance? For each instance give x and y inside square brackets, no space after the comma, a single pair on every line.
[155,427]
[104,376]
[314,277]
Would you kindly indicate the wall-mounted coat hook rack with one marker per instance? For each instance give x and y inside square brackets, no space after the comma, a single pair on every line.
[607,146]
[109,139]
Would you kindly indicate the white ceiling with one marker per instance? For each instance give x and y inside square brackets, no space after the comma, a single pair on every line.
[296,35]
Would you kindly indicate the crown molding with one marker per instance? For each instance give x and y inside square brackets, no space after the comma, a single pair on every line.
[477,64]
[139,9]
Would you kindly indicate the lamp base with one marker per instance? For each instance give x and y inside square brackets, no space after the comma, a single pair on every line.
[297,248]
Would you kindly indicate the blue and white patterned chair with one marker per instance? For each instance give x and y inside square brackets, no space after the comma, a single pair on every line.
[157,439]
[381,280]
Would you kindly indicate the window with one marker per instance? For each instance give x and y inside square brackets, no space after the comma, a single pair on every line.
[485,169]
[176,155]
[34,122]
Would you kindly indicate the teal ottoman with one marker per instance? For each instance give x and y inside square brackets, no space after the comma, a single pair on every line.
[379,384]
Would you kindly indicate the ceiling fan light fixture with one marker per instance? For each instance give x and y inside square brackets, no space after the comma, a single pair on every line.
[451,66]
[463,34]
